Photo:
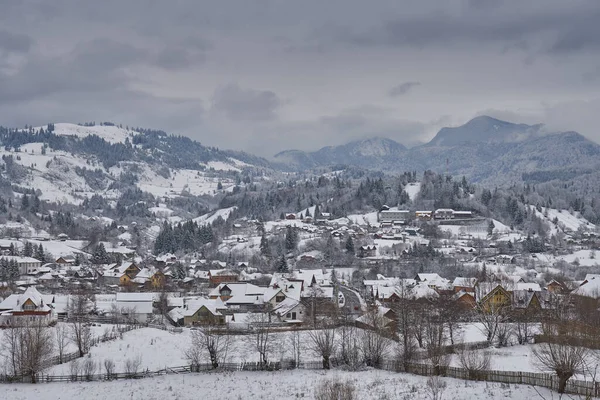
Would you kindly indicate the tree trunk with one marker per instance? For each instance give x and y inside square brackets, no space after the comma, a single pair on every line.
[325,362]
[562,381]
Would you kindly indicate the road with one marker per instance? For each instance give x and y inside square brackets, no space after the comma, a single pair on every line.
[353,303]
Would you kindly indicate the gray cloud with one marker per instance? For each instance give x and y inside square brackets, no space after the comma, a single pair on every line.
[245,104]
[306,74]
[402,89]
[17,43]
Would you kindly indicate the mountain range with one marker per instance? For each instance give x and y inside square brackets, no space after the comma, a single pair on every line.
[484,149]
[71,162]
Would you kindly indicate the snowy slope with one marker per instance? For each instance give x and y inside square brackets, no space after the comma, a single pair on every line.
[413,189]
[565,221]
[112,134]
[211,217]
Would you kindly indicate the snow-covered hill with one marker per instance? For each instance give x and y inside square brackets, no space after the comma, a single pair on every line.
[110,133]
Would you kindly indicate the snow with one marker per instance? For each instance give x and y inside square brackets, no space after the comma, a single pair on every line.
[211,217]
[364,219]
[566,222]
[221,166]
[112,134]
[413,189]
[369,384]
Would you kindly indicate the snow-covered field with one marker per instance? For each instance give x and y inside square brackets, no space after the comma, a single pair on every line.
[159,349]
[295,384]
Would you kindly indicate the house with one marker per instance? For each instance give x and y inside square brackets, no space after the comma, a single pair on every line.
[26,265]
[526,301]
[29,307]
[120,274]
[290,311]
[464,284]
[204,312]
[158,279]
[462,214]
[494,299]
[443,213]
[65,261]
[393,215]
[367,251]
[290,216]
[135,306]
[218,276]
[434,281]
[423,215]
[465,300]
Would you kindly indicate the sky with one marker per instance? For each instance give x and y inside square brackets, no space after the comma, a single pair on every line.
[269,75]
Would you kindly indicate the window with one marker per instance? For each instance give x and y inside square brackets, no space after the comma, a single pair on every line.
[279,298]
[29,307]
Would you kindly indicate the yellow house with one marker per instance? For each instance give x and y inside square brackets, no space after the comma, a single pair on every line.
[497,299]
[205,314]
[158,279]
[124,280]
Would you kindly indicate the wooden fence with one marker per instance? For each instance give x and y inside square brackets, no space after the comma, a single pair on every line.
[549,381]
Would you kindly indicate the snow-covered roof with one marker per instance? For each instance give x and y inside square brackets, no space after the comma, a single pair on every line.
[464,282]
[138,297]
[590,288]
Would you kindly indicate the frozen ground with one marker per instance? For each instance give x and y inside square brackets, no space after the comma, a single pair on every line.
[294,384]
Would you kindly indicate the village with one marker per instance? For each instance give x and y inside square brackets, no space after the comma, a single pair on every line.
[427,322]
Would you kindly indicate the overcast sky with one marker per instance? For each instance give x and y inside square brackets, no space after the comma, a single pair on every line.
[268,75]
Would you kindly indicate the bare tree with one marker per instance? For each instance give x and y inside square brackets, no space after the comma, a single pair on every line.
[260,338]
[322,343]
[437,353]
[565,360]
[132,365]
[405,313]
[162,304]
[373,341]
[88,368]
[62,340]
[295,346]
[474,362]
[78,311]
[109,368]
[74,369]
[490,318]
[503,334]
[211,340]
[27,348]
[350,347]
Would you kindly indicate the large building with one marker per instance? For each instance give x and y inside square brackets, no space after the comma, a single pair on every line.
[393,215]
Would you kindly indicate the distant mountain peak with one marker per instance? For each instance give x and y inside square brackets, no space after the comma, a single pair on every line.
[485,129]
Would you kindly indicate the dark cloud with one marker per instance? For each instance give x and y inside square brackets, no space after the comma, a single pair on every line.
[17,43]
[306,74]
[240,104]
[402,89]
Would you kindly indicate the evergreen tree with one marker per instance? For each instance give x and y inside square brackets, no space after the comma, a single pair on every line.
[24,202]
[28,250]
[39,253]
[490,229]
[265,250]
[291,238]
[350,245]
[100,256]
[282,264]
